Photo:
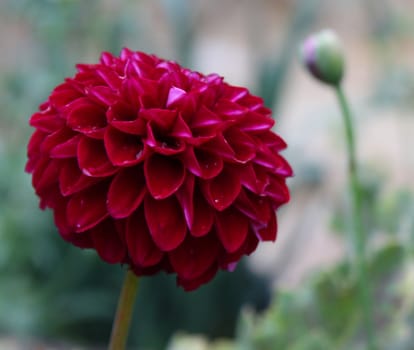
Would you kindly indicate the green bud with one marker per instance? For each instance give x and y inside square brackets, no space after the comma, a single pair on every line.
[323,56]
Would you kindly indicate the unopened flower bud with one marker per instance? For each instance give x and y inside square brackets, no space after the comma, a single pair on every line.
[323,56]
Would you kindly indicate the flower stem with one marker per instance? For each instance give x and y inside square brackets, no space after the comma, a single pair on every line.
[359,234]
[120,327]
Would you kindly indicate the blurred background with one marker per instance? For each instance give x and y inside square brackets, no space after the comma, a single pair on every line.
[297,294]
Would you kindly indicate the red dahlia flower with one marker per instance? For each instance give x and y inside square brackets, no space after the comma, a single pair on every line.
[158,167]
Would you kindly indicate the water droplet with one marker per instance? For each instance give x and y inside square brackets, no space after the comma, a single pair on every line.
[138,155]
[78,225]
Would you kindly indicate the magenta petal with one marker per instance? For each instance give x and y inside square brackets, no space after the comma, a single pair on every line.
[277,190]
[107,242]
[110,77]
[232,228]
[194,257]
[103,95]
[223,189]
[230,110]
[201,163]
[220,146]
[85,116]
[123,149]
[243,146]
[203,216]
[47,121]
[272,140]
[141,247]
[87,208]
[255,207]
[185,196]
[66,149]
[254,178]
[174,95]
[228,260]
[163,118]
[204,117]
[35,142]
[181,129]
[92,158]
[267,232]
[189,285]
[126,192]
[164,175]
[165,221]
[256,122]
[56,138]
[47,177]
[72,180]
[63,94]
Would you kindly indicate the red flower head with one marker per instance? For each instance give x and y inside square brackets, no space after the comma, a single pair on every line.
[158,167]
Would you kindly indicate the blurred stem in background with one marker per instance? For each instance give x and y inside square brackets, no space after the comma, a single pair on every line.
[359,234]
[324,58]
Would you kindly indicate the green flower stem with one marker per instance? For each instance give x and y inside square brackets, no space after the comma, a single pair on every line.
[359,234]
[122,321]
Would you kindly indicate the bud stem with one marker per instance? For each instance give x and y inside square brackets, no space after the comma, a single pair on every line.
[122,321]
[359,234]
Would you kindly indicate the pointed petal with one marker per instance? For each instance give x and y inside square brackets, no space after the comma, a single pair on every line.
[123,149]
[124,117]
[232,228]
[164,175]
[277,190]
[181,129]
[192,284]
[228,260]
[256,122]
[85,116]
[255,207]
[165,221]
[201,163]
[87,208]
[35,142]
[254,177]
[230,110]
[194,257]
[126,192]
[242,144]
[223,189]
[72,180]
[108,243]
[141,247]
[267,232]
[47,121]
[185,197]
[67,149]
[56,138]
[220,146]
[163,118]
[92,158]
[203,216]
[103,95]
[204,117]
